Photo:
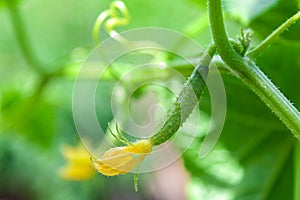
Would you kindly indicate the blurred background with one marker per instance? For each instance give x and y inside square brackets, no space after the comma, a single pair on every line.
[43,44]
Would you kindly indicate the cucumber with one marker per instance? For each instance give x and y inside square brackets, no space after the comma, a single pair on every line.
[185,102]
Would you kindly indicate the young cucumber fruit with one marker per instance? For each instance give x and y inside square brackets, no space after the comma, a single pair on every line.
[185,102]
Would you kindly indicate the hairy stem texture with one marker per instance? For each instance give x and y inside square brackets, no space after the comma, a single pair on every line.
[250,73]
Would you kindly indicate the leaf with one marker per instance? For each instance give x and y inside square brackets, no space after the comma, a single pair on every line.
[255,137]
[245,11]
[4,3]
[32,117]
[263,168]
[264,23]
[38,124]
[263,16]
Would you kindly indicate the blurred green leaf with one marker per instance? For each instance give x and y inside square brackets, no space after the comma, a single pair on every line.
[38,124]
[264,23]
[256,138]
[245,11]
[4,3]
[255,157]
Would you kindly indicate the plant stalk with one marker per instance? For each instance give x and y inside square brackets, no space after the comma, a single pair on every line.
[250,73]
[272,37]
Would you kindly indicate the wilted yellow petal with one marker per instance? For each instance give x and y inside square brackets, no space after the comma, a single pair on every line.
[121,160]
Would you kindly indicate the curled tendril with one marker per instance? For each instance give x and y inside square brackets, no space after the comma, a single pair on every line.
[120,160]
[116,15]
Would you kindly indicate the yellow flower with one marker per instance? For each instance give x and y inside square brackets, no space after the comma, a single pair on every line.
[121,160]
[78,165]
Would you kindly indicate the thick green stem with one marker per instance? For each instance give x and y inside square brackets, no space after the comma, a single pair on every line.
[273,36]
[250,73]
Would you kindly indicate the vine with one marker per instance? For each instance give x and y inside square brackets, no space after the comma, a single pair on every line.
[247,70]
[237,58]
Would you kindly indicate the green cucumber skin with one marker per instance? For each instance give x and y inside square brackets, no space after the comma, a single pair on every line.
[183,106]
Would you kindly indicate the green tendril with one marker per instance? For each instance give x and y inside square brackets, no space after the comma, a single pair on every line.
[254,53]
[116,15]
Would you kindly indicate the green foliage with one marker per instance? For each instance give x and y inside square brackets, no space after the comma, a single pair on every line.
[254,136]
[4,3]
[255,158]
[264,23]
